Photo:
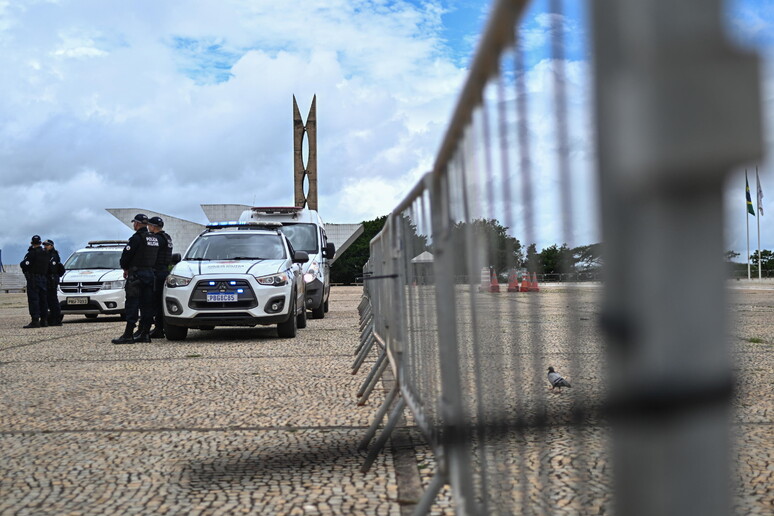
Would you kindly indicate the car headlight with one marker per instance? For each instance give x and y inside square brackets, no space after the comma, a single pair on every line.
[177,281]
[113,285]
[275,280]
[312,272]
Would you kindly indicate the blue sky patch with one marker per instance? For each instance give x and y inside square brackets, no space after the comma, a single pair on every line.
[206,61]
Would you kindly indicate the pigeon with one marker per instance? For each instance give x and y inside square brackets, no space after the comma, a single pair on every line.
[556,380]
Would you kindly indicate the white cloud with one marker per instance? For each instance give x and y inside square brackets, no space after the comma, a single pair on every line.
[103,106]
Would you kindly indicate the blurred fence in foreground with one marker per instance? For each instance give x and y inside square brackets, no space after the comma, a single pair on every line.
[644,428]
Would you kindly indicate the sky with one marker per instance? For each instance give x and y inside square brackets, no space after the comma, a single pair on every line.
[169,105]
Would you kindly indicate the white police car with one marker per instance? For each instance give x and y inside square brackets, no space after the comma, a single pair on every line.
[93,282]
[236,274]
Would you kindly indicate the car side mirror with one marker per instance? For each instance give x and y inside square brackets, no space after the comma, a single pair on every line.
[300,257]
[330,250]
[176,258]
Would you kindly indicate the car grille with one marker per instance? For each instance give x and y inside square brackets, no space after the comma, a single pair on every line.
[245,299]
[85,287]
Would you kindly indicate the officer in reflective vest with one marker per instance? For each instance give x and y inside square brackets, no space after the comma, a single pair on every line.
[137,261]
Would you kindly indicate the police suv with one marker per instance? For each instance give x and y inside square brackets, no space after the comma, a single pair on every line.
[236,274]
[306,232]
[93,282]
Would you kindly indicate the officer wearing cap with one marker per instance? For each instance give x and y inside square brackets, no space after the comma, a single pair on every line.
[161,271]
[55,271]
[137,261]
[35,268]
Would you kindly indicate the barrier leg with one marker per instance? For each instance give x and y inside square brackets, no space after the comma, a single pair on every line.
[363,354]
[372,373]
[397,413]
[429,496]
[374,379]
[371,432]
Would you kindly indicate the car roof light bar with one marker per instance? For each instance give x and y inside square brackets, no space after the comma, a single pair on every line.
[276,209]
[250,224]
[106,243]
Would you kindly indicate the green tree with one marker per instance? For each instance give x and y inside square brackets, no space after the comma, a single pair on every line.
[587,257]
[766,260]
[502,250]
[349,266]
[532,262]
[554,260]
[731,255]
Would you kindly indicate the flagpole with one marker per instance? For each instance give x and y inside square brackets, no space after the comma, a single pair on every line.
[758,203]
[747,220]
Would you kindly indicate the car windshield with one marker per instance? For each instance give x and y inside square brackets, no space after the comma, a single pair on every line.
[244,246]
[303,237]
[94,260]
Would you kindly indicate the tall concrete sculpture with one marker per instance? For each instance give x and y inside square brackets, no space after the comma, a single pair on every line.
[305,173]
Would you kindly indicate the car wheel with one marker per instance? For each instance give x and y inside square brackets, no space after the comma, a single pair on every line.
[287,329]
[207,328]
[91,316]
[326,306]
[319,312]
[175,332]
[301,319]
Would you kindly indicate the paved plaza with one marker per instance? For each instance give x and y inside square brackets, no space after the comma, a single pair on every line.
[240,421]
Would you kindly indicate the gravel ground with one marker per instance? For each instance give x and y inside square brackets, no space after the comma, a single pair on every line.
[240,421]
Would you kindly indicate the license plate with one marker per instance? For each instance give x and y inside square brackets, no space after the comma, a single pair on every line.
[222,297]
[77,300]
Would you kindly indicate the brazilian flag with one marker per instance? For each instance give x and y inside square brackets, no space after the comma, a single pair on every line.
[750,208]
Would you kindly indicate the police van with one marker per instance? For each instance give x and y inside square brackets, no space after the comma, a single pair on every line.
[306,232]
[93,282]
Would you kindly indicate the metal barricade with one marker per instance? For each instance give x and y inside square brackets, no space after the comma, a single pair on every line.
[644,426]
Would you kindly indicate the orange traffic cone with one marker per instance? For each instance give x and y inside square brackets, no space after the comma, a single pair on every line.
[526,284]
[535,287]
[494,285]
[513,281]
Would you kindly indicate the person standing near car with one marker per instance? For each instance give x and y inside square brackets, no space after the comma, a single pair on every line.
[55,271]
[137,261]
[160,271]
[35,268]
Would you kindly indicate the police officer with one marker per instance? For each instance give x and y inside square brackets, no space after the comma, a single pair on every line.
[161,271]
[55,271]
[137,261]
[35,268]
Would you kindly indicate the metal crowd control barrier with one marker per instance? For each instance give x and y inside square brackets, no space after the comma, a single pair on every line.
[644,427]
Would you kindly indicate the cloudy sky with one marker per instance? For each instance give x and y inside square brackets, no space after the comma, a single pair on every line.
[168,105]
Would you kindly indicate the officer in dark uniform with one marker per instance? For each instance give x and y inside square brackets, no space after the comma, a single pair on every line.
[161,271]
[55,271]
[137,261]
[35,268]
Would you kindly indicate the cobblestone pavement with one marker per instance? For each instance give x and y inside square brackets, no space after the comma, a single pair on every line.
[240,421]
[568,470]
[227,421]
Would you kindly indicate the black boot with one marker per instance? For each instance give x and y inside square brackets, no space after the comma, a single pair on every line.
[158,332]
[126,338]
[34,323]
[55,320]
[136,335]
[144,335]
[43,322]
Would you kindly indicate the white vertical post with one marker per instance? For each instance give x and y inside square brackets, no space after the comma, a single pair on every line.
[758,211]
